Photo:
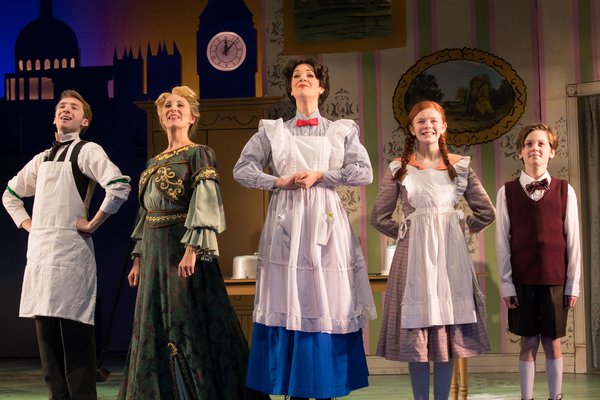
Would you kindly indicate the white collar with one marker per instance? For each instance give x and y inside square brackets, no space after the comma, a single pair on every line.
[65,137]
[525,179]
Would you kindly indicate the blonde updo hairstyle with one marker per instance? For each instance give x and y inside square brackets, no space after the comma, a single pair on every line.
[192,99]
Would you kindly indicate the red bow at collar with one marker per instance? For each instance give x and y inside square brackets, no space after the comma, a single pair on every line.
[305,122]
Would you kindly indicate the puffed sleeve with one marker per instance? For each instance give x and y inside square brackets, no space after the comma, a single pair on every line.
[479,202]
[206,216]
[356,167]
[255,157]
[385,205]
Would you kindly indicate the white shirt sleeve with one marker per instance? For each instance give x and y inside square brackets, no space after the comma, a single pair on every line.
[507,288]
[22,185]
[96,165]
[571,227]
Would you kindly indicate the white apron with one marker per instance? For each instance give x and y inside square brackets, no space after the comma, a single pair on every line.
[439,284]
[60,276]
[311,274]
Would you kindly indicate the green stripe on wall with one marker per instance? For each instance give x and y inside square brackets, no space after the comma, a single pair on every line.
[425,32]
[369,114]
[586,66]
[369,105]
[482,32]
[488,180]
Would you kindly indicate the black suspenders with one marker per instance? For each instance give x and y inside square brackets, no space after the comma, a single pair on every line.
[81,181]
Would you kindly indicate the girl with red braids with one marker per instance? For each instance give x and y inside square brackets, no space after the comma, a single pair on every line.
[434,310]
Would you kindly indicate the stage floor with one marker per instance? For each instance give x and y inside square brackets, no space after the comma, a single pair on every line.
[22,379]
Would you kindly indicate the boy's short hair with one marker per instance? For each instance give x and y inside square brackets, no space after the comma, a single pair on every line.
[550,133]
[87,109]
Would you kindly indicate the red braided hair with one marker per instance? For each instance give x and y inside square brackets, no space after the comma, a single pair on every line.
[409,139]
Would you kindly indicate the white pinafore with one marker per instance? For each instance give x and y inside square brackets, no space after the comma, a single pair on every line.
[439,290]
[311,273]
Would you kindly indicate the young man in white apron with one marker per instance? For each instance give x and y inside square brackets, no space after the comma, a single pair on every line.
[59,285]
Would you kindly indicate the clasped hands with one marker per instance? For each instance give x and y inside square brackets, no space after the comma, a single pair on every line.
[299,180]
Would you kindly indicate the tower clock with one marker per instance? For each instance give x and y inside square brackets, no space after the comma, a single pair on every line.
[227,50]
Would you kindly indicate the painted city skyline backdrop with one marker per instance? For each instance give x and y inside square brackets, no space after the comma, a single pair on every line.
[103,26]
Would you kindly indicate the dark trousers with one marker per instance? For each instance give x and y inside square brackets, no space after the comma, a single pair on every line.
[68,355]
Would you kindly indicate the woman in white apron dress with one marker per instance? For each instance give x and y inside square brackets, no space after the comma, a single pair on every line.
[312,292]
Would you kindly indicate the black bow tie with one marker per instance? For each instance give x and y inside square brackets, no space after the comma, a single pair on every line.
[537,185]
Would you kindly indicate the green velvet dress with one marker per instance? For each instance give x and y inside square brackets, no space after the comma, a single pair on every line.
[187,341]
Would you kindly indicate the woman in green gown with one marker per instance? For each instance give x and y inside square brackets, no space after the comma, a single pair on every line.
[187,342]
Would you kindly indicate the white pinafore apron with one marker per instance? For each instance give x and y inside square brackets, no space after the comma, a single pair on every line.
[60,276]
[311,274]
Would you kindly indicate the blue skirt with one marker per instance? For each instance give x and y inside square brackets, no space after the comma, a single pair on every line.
[304,364]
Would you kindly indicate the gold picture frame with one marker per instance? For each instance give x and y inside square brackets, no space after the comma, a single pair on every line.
[489,96]
[314,28]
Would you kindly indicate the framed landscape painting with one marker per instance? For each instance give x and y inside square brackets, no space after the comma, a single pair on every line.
[482,94]
[317,27]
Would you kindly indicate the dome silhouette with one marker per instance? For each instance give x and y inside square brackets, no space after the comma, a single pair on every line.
[46,42]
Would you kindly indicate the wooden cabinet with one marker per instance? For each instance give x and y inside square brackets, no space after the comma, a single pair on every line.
[226,125]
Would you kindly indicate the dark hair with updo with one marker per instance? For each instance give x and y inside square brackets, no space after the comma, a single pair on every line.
[409,139]
[321,72]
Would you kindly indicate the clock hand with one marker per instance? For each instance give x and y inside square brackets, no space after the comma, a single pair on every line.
[226,48]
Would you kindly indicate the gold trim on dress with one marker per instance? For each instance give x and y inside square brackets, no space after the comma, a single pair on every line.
[173,153]
[145,174]
[162,218]
[205,173]
[172,188]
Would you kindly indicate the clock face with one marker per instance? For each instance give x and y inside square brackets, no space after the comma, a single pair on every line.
[226,51]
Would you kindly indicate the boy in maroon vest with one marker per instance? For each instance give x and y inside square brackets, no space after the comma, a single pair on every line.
[539,258]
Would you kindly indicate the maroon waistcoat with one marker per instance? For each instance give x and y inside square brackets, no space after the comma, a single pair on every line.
[538,245]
